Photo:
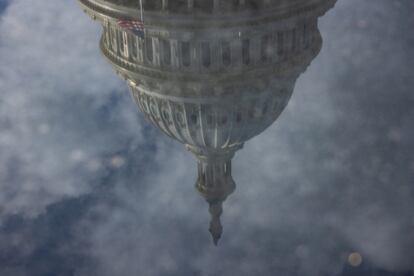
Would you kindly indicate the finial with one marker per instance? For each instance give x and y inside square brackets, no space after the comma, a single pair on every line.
[216,229]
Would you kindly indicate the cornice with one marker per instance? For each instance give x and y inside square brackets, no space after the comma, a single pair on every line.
[194,21]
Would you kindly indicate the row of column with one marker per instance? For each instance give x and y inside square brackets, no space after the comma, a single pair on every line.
[208,55]
[189,5]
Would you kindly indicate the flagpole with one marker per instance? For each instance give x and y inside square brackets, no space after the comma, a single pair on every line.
[142,14]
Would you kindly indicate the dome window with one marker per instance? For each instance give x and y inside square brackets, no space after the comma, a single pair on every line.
[223,120]
[305,37]
[166,51]
[254,5]
[266,48]
[294,40]
[177,5]
[152,5]
[206,54]
[229,5]
[134,47]
[194,119]
[205,6]
[226,53]
[238,117]
[209,120]
[246,51]
[186,53]
[280,43]
[265,108]
[148,49]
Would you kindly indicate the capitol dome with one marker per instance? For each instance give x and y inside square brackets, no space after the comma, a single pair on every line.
[211,74]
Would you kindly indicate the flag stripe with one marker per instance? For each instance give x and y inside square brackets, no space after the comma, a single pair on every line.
[134,26]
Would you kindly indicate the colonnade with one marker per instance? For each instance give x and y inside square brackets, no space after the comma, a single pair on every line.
[209,54]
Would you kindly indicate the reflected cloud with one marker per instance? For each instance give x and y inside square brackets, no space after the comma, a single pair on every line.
[42,153]
[331,178]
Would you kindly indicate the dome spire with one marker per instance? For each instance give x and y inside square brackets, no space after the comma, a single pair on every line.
[216,229]
[215,184]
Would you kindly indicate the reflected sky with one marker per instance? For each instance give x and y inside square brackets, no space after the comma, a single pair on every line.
[89,187]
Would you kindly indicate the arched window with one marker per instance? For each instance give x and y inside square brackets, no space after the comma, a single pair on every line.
[254,5]
[246,51]
[152,5]
[186,53]
[265,48]
[166,51]
[229,5]
[177,5]
[205,6]
[148,49]
[280,44]
[206,54]
[265,108]
[238,117]
[305,36]
[194,119]
[210,120]
[294,40]
[226,53]
[223,120]
[134,46]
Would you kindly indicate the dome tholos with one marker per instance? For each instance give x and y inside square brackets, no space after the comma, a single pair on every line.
[211,74]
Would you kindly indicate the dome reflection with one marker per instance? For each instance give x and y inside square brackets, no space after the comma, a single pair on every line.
[210,74]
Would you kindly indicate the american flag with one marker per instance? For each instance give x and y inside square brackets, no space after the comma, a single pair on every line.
[134,26]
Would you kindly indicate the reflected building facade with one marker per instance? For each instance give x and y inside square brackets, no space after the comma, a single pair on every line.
[211,74]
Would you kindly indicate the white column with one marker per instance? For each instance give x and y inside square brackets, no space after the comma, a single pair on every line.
[156,51]
[125,44]
[140,45]
[107,36]
[120,41]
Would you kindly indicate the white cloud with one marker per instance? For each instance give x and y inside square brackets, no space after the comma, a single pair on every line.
[311,189]
[53,81]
